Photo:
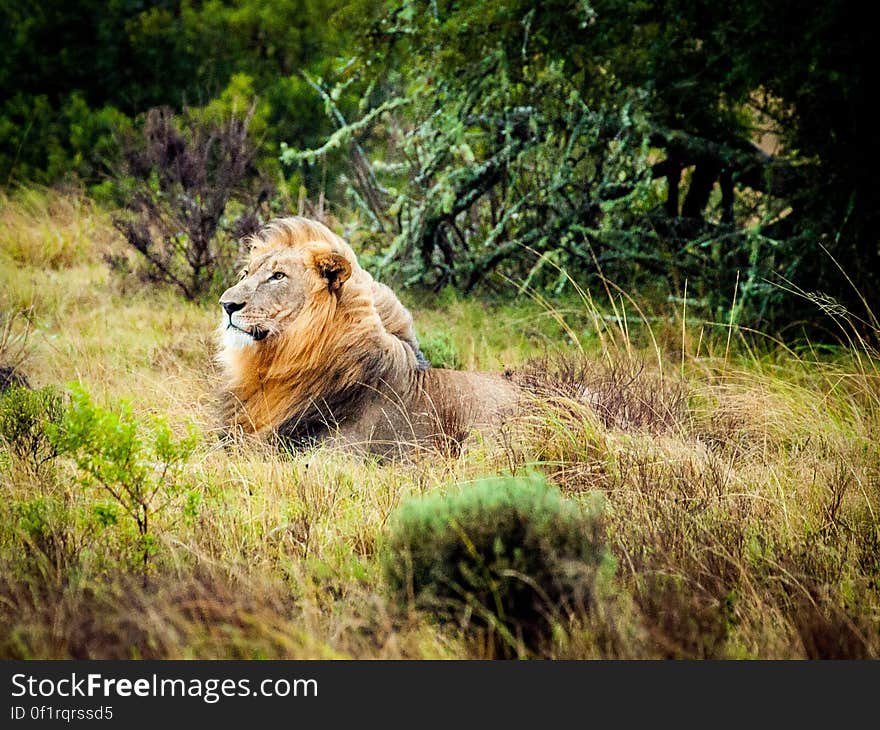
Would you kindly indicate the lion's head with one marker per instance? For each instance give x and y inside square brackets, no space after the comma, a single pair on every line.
[306,326]
[292,261]
[276,286]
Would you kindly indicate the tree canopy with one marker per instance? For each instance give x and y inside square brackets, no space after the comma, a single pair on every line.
[72,74]
[723,150]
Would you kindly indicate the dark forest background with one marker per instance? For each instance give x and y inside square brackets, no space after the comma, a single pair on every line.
[718,154]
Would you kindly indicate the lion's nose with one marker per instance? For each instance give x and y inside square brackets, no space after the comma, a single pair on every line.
[230,307]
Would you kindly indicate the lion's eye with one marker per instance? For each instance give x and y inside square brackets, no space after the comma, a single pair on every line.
[277,276]
[242,275]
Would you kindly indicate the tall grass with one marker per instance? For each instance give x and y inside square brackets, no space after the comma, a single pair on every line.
[49,229]
[740,477]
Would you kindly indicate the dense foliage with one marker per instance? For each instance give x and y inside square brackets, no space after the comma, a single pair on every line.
[73,74]
[24,417]
[722,153]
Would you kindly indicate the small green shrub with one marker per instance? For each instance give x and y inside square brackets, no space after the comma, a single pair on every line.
[508,557]
[43,530]
[142,473]
[24,415]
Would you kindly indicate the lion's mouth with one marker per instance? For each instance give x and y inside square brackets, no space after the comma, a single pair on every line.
[254,332]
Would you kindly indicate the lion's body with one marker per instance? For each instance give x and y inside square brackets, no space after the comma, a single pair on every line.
[326,352]
[435,408]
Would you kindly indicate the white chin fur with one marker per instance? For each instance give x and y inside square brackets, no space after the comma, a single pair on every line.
[236,339]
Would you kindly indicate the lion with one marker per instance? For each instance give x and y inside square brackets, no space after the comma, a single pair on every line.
[313,349]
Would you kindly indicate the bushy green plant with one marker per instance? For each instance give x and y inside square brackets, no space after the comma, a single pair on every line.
[44,529]
[510,557]
[498,163]
[140,471]
[24,416]
[61,112]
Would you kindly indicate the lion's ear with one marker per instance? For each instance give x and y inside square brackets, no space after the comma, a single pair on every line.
[334,268]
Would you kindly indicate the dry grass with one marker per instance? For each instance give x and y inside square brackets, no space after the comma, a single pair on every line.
[47,229]
[741,482]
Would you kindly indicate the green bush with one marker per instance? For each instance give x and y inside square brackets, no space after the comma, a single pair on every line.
[506,557]
[43,530]
[140,471]
[499,141]
[24,414]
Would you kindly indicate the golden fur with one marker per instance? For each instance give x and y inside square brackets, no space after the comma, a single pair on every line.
[314,348]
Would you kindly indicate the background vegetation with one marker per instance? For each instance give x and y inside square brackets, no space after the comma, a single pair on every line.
[672,204]
[687,149]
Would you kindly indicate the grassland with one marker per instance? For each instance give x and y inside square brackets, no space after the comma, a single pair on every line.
[740,479]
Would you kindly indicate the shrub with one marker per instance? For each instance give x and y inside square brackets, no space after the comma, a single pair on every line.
[181,184]
[47,535]
[24,415]
[507,557]
[141,474]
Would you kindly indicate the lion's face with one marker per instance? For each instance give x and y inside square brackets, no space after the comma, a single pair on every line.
[275,287]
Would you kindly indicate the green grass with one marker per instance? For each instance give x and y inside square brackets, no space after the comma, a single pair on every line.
[740,480]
